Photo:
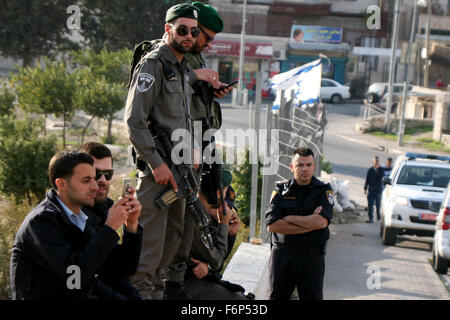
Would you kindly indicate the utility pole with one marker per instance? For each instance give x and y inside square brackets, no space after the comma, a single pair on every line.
[401,125]
[392,65]
[241,56]
[427,54]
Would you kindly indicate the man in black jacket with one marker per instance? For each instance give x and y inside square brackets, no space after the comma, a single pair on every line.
[374,185]
[56,253]
[124,259]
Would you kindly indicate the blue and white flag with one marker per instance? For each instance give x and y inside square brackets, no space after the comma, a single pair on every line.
[304,80]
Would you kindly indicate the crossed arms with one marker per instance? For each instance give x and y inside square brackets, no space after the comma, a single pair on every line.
[299,224]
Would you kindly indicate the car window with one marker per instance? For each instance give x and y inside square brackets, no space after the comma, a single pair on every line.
[325,83]
[424,176]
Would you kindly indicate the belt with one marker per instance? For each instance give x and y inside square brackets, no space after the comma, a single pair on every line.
[300,249]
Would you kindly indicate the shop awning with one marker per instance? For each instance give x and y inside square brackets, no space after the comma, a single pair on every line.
[232,48]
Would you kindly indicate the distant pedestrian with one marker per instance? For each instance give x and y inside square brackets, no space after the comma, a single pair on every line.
[374,187]
[387,169]
[298,217]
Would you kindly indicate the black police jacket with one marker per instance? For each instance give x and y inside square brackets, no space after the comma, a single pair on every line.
[123,260]
[289,198]
[49,248]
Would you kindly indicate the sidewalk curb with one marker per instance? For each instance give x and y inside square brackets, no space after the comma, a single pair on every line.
[372,145]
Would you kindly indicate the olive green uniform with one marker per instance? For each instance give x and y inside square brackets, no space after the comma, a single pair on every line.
[199,110]
[155,96]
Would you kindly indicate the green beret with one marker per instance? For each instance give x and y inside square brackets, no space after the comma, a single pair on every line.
[226,177]
[181,10]
[208,17]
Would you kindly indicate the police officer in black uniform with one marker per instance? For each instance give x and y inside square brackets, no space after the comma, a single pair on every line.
[298,216]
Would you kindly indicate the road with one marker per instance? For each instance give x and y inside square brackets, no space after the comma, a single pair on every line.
[358,266]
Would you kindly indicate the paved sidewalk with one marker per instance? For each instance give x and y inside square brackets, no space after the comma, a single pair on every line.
[356,255]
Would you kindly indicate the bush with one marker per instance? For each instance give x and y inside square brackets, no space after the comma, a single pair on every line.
[25,156]
[6,101]
[326,166]
[242,185]
[12,213]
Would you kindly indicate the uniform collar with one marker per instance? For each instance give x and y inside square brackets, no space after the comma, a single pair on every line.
[293,183]
[170,57]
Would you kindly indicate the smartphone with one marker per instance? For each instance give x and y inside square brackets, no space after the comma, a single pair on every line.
[227,86]
[126,186]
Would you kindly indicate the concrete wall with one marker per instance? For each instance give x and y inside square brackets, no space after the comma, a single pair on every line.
[249,268]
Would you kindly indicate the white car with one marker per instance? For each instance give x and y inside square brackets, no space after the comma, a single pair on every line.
[413,195]
[441,243]
[333,91]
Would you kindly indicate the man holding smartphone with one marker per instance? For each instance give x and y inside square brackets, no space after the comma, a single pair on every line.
[57,253]
[123,260]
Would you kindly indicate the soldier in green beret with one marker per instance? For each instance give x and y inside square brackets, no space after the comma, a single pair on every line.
[159,100]
[205,114]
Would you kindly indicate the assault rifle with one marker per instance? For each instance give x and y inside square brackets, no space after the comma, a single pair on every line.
[188,188]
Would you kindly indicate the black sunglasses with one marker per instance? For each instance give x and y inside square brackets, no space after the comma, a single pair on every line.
[182,30]
[107,173]
[208,37]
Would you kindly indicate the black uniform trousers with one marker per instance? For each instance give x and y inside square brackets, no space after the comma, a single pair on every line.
[301,269]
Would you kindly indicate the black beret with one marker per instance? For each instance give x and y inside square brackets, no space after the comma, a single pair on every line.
[181,10]
[208,17]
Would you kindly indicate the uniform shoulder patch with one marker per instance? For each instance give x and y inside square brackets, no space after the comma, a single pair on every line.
[330,196]
[144,81]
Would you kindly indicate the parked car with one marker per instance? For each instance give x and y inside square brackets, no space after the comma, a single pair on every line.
[378,92]
[333,91]
[412,196]
[441,243]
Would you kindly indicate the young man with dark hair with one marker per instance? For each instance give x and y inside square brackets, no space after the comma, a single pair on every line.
[123,260]
[298,216]
[56,253]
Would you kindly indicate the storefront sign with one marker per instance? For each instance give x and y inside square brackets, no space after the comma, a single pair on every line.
[232,48]
[316,34]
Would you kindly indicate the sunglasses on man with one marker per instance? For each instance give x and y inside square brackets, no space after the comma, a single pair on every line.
[107,173]
[183,30]
[207,36]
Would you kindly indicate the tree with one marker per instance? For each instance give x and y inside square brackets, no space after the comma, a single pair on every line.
[118,24]
[32,28]
[112,65]
[47,90]
[99,98]
[101,81]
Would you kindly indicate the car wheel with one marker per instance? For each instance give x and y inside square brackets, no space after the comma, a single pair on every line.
[336,98]
[389,236]
[440,265]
